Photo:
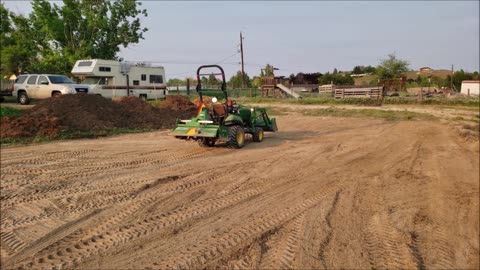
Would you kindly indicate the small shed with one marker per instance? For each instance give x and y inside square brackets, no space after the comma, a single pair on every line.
[470,88]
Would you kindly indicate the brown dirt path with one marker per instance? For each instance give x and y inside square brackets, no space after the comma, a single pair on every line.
[320,193]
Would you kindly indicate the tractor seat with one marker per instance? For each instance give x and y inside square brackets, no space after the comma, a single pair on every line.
[219,109]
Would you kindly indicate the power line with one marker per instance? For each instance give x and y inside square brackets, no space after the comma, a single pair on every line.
[219,62]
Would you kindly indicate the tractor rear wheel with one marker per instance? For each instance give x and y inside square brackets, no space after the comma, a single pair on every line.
[257,134]
[236,138]
[206,142]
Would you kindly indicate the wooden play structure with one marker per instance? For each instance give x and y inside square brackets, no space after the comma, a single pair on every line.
[274,87]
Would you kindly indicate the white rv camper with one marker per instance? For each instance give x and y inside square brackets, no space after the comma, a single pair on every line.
[111,78]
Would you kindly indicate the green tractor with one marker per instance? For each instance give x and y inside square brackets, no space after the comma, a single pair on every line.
[226,122]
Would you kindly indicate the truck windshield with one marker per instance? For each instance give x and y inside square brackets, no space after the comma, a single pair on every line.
[90,81]
[59,79]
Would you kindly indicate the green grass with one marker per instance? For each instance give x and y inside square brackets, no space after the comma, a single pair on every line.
[68,135]
[8,111]
[369,113]
[329,100]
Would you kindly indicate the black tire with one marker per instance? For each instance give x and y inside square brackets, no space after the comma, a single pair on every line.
[56,94]
[23,98]
[236,138]
[143,97]
[206,142]
[258,134]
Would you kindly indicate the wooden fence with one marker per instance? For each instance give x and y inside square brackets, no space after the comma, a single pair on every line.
[375,92]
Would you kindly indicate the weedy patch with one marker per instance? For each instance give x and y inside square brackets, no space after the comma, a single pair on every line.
[369,113]
[8,111]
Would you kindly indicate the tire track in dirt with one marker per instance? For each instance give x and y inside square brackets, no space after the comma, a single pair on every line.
[11,242]
[42,157]
[328,219]
[283,251]
[387,246]
[213,250]
[46,193]
[114,237]
[98,169]
[167,186]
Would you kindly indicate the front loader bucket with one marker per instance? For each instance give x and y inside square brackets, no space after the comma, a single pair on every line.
[267,124]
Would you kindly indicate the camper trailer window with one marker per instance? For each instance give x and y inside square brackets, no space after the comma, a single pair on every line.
[85,64]
[105,69]
[156,79]
[144,77]
[136,82]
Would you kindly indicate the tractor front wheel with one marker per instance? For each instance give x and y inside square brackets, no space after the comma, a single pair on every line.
[206,142]
[257,134]
[236,138]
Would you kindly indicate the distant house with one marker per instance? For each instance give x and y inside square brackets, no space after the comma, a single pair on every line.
[425,69]
[470,88]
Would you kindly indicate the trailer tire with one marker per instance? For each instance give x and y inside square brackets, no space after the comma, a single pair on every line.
[143,97]
[236,137]
[258,134]
[23,98]
[206,142]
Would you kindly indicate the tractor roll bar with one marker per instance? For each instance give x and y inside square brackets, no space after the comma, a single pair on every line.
[199,82]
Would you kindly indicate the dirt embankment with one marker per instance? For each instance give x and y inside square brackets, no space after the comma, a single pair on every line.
[94,113]
[322,193]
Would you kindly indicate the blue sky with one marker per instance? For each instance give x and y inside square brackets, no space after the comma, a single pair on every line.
[311,36]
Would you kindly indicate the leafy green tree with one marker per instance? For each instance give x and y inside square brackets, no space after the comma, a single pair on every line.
[267,71]
[369,69]
[213,81]
[56,36]
[337,78]
[256,82]
[176,82]
[357,70]
[459,76]
[18,52]
[392,68]
[236,81]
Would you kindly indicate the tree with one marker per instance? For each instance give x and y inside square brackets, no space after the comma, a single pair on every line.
[78,29]
[212,80]
[392,68]
[18,52]
[338,79]
[357,70]
[369,69]
[236,80]
[267,71]
[256,82]
[176,82]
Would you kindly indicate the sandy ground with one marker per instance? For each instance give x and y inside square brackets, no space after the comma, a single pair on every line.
[321,193]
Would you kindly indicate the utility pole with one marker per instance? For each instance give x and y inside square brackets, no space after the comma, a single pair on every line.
[241,53]
[451,79]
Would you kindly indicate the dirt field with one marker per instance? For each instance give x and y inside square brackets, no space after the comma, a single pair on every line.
[321,193]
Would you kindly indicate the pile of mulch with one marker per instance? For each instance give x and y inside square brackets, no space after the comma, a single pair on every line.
[71,113]
[177,103]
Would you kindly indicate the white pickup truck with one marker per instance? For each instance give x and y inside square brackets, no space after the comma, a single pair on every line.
[40,86]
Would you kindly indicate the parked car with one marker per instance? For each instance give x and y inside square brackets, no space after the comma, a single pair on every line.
[40,86]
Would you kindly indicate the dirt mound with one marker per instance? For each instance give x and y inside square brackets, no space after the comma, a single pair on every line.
[177,103]
[90,113]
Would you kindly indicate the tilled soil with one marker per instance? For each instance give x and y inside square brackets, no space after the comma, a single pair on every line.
[321,193]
